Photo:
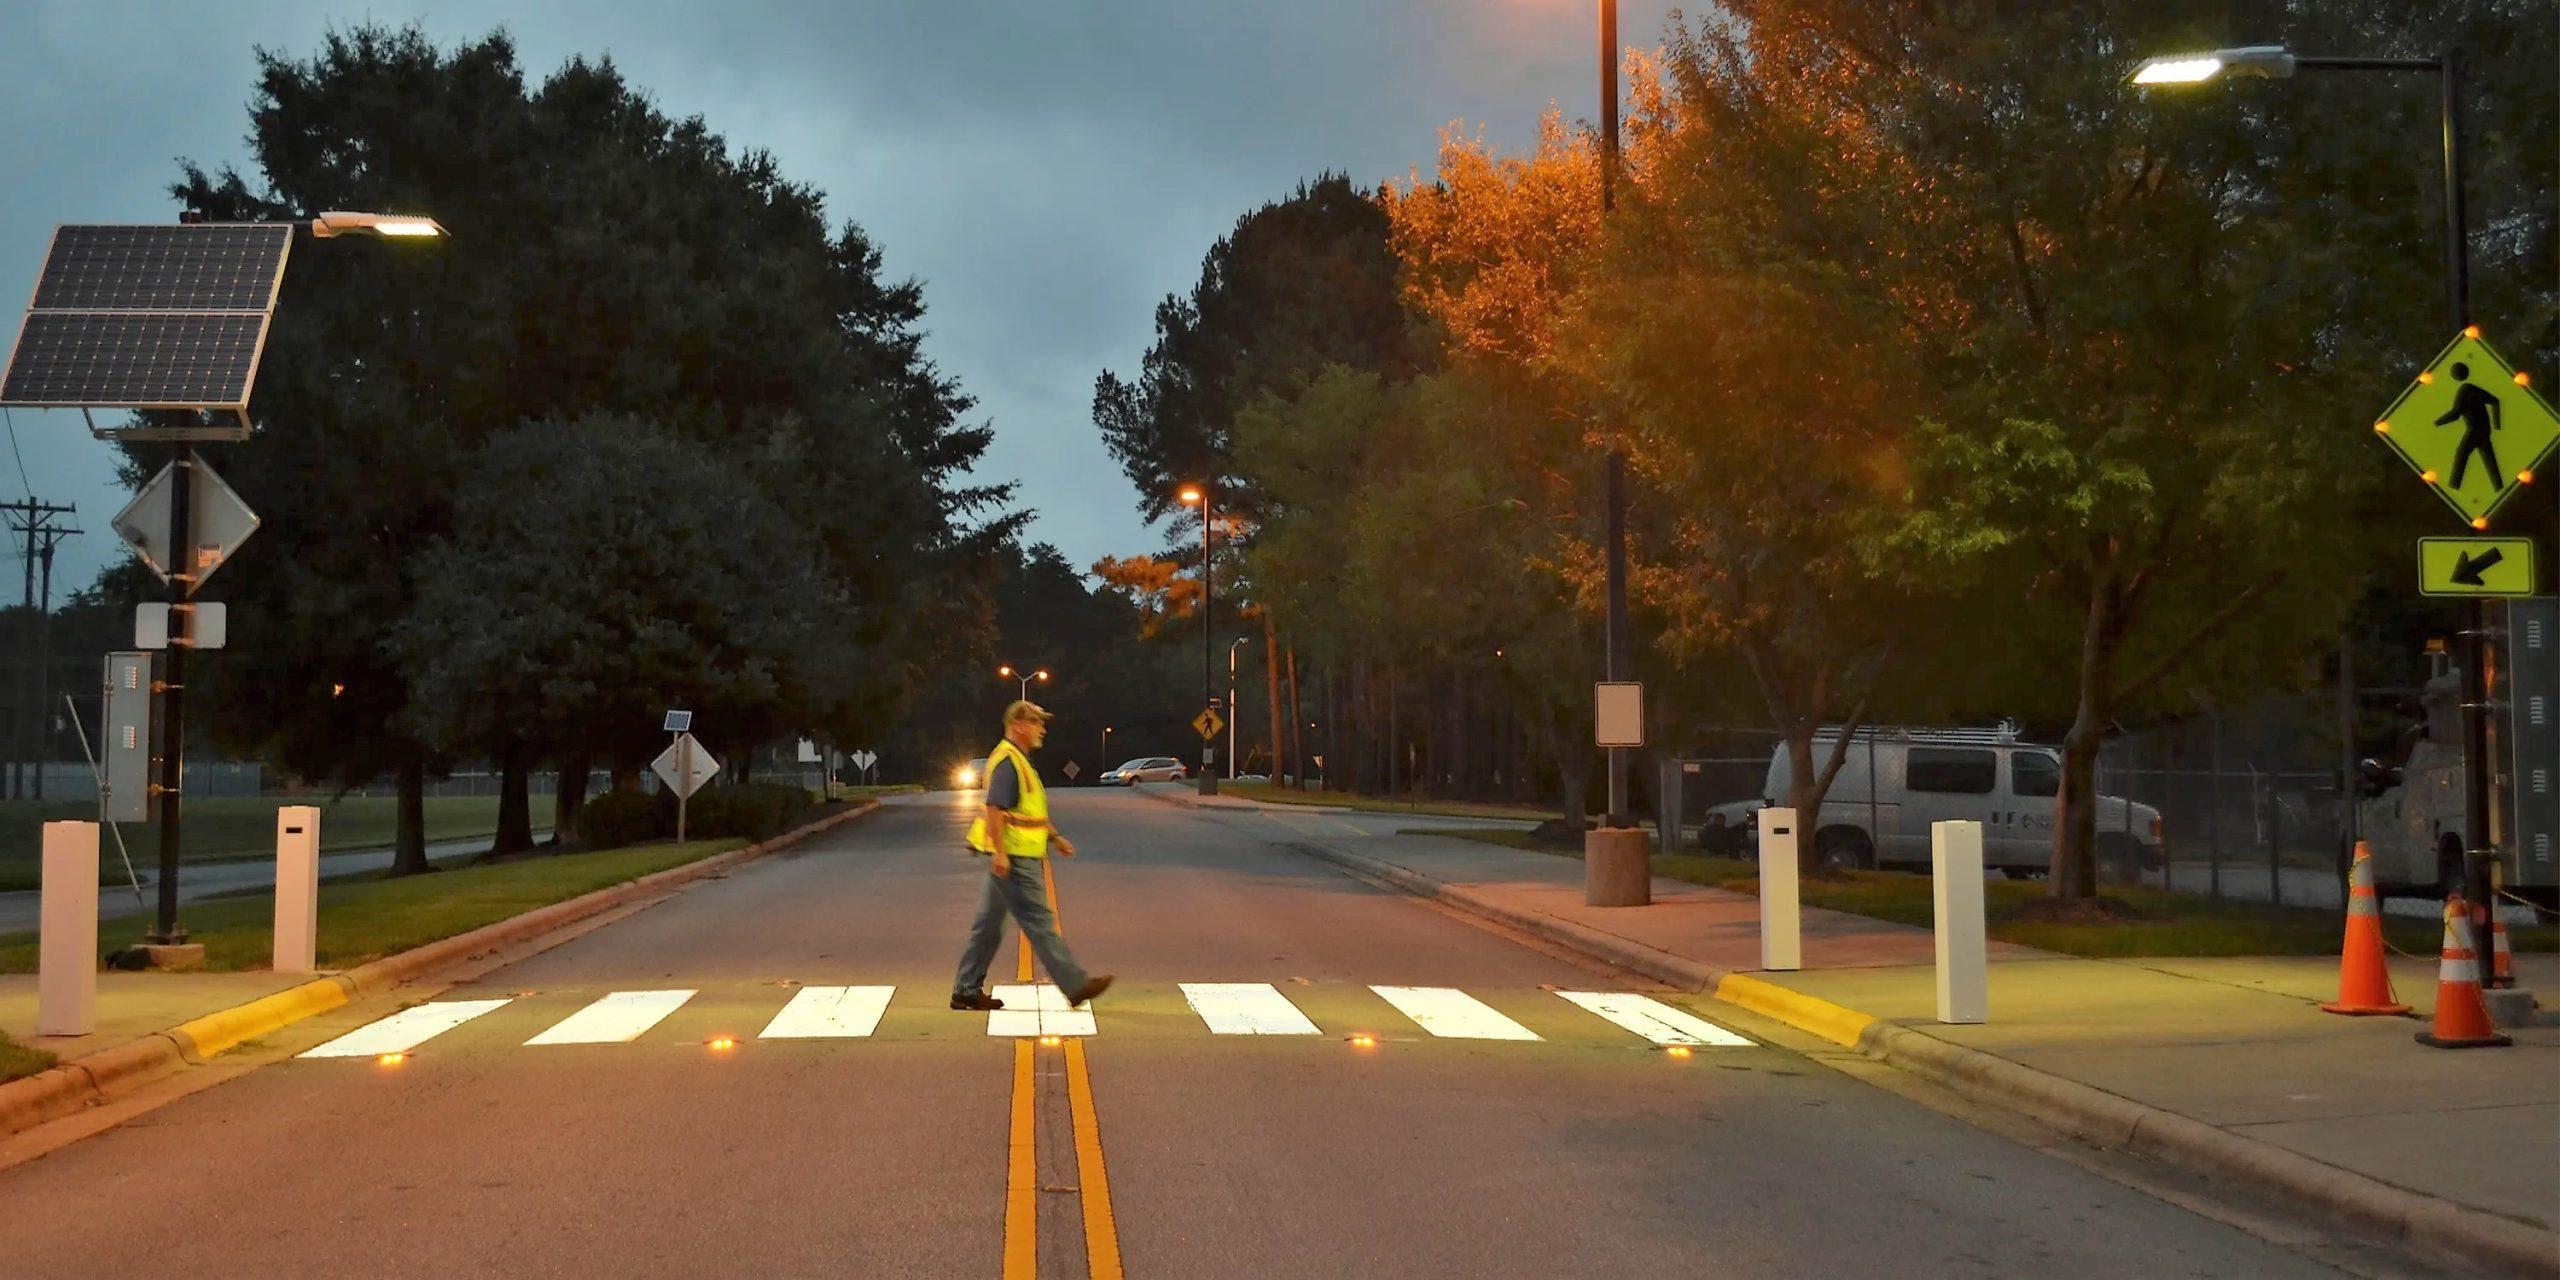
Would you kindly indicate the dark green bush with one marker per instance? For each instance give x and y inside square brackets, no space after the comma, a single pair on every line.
[626,816]
[752,810]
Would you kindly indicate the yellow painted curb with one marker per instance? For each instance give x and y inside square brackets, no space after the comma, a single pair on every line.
[1835,1023]
[217,1033]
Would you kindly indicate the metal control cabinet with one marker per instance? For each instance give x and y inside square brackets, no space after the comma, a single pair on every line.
[126,753]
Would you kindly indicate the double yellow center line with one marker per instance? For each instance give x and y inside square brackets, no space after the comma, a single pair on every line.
[1021,1179]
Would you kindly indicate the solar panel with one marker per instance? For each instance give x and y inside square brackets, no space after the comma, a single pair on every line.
[150,317]
[83,358]
[205,267]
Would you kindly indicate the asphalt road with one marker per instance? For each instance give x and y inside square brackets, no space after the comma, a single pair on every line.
[932,1148]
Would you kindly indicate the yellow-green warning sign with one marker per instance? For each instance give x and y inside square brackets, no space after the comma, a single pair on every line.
[2475,566]
[2472,427]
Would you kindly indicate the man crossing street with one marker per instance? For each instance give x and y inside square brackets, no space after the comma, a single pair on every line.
[1015,834]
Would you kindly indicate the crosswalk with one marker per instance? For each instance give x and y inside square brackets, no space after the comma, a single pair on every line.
[1041,1010]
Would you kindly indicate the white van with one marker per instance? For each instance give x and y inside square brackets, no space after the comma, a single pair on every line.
[1895,782]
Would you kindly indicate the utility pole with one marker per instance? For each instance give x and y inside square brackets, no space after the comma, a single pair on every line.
[33,522]
[1619,660]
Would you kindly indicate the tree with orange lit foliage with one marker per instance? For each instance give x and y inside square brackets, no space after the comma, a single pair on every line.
[1753,398]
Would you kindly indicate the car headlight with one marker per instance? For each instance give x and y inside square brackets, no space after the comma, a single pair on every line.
[965,776]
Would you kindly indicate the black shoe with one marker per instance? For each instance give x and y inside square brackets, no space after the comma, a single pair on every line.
[978,1000]
[1093,986]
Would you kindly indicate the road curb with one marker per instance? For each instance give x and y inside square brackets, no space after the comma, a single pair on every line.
[93,1079]
[2077,1110]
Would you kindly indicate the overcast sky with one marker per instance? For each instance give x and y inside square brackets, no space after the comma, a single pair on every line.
[1048,168]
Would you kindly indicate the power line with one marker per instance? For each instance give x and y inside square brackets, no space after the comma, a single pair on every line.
[23,481]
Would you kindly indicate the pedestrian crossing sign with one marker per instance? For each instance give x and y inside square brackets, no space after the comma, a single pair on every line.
[2472,427]
[1208,723]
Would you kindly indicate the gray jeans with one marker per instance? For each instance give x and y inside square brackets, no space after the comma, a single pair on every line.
[1023,894]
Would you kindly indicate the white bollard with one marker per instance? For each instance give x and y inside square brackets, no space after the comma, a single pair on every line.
[1955,854]
[1781,918]
[67,946]
[297,937]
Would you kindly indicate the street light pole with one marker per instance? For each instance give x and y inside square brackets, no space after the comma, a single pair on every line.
[1208,599]
[1619,659]
[1231,704]
[2276,63]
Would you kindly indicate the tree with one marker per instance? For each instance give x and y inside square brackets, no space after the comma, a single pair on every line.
[2108,294]
[1299,284]
[732,312]
[698,593]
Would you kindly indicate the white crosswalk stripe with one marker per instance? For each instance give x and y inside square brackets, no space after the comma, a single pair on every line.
[404,1030]
[1246,1009]
[1453,1014]
[1653,1019]
[618,1017]
[819,1013]
[1037,1011]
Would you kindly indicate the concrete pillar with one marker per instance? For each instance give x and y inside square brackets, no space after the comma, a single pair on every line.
[67,941]
[297,934]
[1617,870]
[1955,854]
[1781,912]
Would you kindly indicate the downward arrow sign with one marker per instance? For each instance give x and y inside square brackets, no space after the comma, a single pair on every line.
[2467,570]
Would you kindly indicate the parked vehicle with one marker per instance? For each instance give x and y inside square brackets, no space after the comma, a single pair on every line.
[2413,813]
[1143,769]
[1895,782]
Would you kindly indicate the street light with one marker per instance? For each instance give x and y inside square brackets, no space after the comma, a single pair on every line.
[1026,677]
[2275,62]
[2263,61]
[165,930]
[389,226]
[1198,495]
[1106,746]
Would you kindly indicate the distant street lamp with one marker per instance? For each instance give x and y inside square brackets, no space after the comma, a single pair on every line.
[1198,495]
[2275,62]
[1026,677]
[1106,746]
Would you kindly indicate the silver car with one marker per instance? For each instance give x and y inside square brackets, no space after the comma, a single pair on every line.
[1144,769]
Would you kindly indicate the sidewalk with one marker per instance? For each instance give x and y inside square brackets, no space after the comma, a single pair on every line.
[2233,1045]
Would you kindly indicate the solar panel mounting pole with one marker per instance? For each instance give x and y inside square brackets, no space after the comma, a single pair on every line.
[171,687]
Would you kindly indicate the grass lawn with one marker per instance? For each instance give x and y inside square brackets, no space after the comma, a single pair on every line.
[2167,924]
[1274,794]
[373,917]
[229,828]
[18,1060]
[848,791]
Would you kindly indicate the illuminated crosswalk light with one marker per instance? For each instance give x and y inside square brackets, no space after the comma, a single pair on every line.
[1364,1041]
[392,1059]
[1678,1051]
[720,1044]
[1051,1041]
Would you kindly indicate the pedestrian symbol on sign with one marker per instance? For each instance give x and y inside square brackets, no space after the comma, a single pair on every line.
[2480,414]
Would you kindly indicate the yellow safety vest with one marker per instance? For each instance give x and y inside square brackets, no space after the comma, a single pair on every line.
[1026,827]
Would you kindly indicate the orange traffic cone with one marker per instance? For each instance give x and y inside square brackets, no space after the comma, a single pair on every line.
[2364,984]
[2462,1019]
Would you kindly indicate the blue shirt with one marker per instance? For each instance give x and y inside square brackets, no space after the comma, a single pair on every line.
[1004,790]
